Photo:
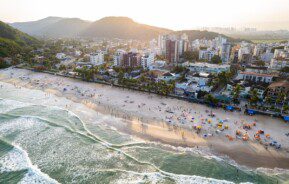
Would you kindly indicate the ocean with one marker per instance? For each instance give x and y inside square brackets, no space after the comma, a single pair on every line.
[45,143]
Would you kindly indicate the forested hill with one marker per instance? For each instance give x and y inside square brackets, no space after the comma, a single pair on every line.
[13,41]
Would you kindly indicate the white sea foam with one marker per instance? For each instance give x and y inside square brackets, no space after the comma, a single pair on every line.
[131,177]
[97,157]
[275,171]
[19,124]
[17,159]
[9,105]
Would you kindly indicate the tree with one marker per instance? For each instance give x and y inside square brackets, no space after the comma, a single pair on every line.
[3,64]
[216,59]
[120,77]
[254,98]
[107,58]
[179,69]
[285,108]
[62,67]
[268,99]
[285,69]
[182,78]
[191,55]
[160,57]
[209,98]
[280,98]
[86,73]
[260,63]
[236,93]
[222,79]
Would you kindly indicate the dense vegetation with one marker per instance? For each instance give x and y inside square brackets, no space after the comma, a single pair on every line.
[13,42]
[19,37]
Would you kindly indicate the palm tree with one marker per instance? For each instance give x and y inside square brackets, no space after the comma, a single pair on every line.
[254,98]
[268,99]
[211,99]
[236,93]
[280,98]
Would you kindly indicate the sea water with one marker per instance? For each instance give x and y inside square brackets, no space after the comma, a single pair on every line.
[44,143]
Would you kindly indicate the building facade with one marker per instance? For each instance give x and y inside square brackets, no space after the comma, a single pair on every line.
[147,60]
[225,53]
[172,53]
[255,77]
[97,58]
[131,60]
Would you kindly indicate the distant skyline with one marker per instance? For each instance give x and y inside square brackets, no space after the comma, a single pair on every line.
[172,14]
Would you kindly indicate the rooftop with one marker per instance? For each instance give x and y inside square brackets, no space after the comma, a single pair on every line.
[257,74]
[283,83]
[208,65]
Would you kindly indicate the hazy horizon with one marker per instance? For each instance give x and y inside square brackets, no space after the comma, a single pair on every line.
[175,15]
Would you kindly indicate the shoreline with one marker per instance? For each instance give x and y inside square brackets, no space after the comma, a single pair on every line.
[150,125]
[186,99]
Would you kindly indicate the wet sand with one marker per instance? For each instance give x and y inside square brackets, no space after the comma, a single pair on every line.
[144,116]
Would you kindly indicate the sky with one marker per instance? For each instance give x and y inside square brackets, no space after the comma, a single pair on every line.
[172,14]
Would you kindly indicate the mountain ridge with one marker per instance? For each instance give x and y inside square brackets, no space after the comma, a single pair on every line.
[122,27]
[106,27]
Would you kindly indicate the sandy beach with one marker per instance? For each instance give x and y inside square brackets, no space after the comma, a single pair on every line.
[174,122]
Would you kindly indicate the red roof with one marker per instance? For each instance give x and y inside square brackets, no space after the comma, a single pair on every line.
[257,74]
[283,83]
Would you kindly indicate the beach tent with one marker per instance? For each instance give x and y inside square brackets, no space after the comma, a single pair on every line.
[251,112]
[230,108]
[286,118]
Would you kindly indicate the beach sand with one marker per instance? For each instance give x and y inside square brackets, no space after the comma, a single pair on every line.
[167,120]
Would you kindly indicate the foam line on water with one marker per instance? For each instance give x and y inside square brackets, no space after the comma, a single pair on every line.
[11,105]
[192,179]
[18,159]
[104,143]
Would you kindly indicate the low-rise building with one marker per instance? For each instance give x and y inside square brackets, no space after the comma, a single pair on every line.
[277,64]
[158,64]
[260,90]
[206,54]
[276,88]
[255,77]
[60,56]
[118,57]
[77,53]
[267,57]
[147,60]
[97,58]
[257,69]
[168,77]
[207,68]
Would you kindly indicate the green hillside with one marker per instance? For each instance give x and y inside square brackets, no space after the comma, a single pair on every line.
[13,41]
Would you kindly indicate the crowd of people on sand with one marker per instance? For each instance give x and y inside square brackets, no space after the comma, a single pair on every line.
[207,124]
